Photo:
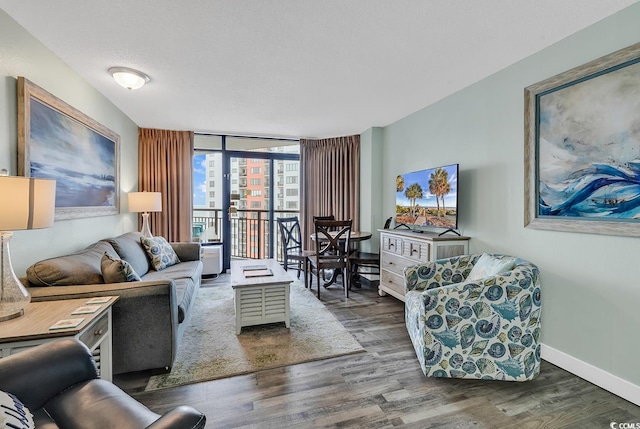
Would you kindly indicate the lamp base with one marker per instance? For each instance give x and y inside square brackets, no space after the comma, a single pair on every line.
[12,316]
[145,231]
[13,295]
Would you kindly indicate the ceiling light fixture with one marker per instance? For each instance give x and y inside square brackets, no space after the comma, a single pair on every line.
[128,78]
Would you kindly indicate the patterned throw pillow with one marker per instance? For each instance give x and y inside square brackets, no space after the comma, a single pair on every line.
[13,414]
[117,270]
[160,253]
[487,266]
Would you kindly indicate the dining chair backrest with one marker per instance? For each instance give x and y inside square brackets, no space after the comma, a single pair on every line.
[332,242]
[327,217]
[290,234]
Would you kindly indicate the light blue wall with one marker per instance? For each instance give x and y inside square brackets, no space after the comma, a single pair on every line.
[591,283]
[22,55]
[371,187]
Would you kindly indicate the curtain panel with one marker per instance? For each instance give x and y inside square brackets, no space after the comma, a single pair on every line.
[165,166]
[330,181]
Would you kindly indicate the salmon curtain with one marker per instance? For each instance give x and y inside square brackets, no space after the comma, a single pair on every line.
[164,165]
[330,181]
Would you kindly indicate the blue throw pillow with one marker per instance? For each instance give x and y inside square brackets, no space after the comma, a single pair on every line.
[160,253]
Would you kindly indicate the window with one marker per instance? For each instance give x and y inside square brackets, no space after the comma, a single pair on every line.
[212,204]
[212,173]
[256,204]
[256,170]
[292,192]
[255,181]
[234,181]
[291,180]
[292,204]
[292,167]
[211,163]
[256,192]
[212,183]
[212,194]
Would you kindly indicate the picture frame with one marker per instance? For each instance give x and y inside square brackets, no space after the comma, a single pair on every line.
[582,148]
[57,141]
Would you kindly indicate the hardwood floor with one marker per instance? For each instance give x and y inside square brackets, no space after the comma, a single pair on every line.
[385,388]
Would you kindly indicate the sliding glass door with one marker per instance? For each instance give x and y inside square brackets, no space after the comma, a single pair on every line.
[259,182]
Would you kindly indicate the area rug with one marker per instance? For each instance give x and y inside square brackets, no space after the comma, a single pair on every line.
[210,348]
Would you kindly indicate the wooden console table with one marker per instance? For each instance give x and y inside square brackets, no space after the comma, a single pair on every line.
[32,329]
[263,299]
[403,248]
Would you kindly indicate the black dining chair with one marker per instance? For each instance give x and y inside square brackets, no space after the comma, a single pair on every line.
[369,261]
[292,254]
[332,250]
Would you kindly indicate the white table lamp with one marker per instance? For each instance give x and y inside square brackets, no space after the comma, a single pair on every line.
[145,202]
[25,203]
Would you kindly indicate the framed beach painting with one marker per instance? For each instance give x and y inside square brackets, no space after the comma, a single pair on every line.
[582,148]
[57,141]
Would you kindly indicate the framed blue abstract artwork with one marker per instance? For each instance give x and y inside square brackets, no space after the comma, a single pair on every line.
[582,148]
[57,141]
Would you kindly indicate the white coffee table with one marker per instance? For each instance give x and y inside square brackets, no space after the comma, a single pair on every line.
[260,299]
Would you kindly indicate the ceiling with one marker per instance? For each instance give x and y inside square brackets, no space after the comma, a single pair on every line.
[295,68]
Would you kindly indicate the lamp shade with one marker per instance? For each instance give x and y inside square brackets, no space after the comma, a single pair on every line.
[26,203]
[145,202]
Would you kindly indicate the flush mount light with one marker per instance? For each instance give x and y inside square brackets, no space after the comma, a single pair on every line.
[128,78]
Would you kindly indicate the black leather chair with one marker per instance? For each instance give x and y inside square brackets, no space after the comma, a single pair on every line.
[58,382]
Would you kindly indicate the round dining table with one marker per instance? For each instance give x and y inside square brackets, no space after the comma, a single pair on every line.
[354,237]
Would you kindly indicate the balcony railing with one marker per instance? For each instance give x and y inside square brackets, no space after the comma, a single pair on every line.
[249,231]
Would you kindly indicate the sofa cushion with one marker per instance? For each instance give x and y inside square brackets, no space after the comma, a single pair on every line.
[487,266]
[160,253]
[117,270]
[130,249]
[81,268]
[186,276]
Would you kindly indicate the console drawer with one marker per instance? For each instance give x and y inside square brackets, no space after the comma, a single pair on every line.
[392,282]
[391,244]
[96,332]
[416,250]
[394,263]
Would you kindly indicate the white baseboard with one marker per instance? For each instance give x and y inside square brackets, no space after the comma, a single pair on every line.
[592,374]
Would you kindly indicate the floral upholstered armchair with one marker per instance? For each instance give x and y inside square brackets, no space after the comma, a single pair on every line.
[475,316]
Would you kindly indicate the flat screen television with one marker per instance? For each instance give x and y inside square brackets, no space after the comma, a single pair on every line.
[428,198]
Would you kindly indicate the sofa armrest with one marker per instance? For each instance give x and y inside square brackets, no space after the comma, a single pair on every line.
[49,368]
[441,272]
[182,417]
[187,251]
[145,320]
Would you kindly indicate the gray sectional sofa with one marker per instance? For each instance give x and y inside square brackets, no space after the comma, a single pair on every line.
[150,316]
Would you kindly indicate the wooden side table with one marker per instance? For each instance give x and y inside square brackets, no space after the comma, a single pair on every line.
[32,329]
[263,299]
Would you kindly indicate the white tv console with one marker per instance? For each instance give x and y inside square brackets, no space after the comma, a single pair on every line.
[403,248]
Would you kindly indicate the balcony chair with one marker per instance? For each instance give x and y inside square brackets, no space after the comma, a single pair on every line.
[292,254]
[332,250]
[368,260]
[58,382]
[475,316]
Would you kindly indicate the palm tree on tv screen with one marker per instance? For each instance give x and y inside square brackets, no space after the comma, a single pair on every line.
[439,186]
[413,192]
[399,183]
